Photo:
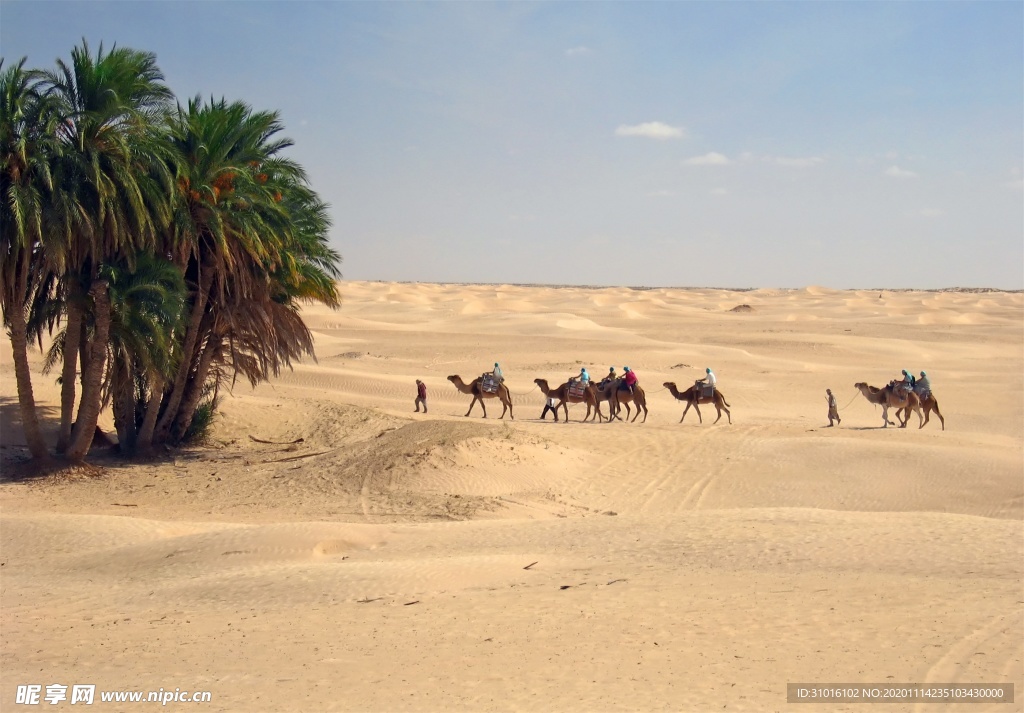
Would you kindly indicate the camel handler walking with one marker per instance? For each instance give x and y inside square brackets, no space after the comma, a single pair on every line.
[549,405]
[421,396]
[833,410]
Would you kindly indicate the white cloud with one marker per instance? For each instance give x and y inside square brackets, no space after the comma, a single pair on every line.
[652,130]
[660,194]
[719,191]
[1015,185]
[897,172]
[708,159]
[931,213]
[577,51]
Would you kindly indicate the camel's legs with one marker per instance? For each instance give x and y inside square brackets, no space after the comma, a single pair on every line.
[644,407]
[720,405]
[688,404]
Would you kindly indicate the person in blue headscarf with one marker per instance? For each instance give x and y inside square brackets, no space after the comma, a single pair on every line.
[922,386]
[709,380]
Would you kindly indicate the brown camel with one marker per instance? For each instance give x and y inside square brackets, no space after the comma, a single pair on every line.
[589,397]
[621,397]
[886,397]
[928,404]
[601,396]
[474,388]
[695,395]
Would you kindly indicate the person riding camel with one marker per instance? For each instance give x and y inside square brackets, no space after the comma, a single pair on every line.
[498,376]
[906,384]
[629,379]
[579,383]
[709,381]
[610,378]
[922,386]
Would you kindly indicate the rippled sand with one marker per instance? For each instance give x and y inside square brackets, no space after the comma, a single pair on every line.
[396,561]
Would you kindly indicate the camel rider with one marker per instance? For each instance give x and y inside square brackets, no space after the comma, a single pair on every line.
[498,376]
[922,386]
[611,376]
[709,380]
[584,377]
[907,383]
[629,379]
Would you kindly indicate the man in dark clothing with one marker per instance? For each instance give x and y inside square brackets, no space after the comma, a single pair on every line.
[549,405]
[421,396]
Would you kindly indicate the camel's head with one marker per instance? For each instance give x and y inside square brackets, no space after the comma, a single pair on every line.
[860,385]
[669,384]
[538,382]
[453,378]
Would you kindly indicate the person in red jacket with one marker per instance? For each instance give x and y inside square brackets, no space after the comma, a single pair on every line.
[421,396]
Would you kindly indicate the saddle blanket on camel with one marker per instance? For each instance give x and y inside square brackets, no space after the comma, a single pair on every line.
[488,384]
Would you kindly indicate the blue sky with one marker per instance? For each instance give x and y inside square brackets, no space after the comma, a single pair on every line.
[769,144]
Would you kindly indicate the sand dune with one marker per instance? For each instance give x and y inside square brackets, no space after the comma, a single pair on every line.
[399,561]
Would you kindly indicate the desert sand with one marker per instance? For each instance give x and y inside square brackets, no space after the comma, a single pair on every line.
[396,561]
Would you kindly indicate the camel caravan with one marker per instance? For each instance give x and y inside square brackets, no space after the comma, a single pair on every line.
[906,396]
[911,394]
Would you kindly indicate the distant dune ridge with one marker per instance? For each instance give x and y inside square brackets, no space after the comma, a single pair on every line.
[390,560]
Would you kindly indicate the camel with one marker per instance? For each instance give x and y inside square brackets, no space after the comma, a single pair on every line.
[562,394]
[928,404]
[616,397]
[474,388]
[600,396]
[886,397]
[695,395]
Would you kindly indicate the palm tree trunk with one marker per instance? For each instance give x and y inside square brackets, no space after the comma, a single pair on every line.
[156,395]
[123,388]
[22,372]
[89,409]
[188,349]
[69,374]
[195,390]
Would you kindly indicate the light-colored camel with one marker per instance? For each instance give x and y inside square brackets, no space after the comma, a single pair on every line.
[621,397]
[475,389]
[589,398]
[694,396]
[928,404]
[887,397]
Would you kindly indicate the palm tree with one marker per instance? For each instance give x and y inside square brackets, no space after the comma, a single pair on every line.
[26,183]
[257,333]
[146,304]
[113,160]
[231,234]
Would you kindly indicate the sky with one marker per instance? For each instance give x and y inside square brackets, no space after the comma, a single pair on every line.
[668,144]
